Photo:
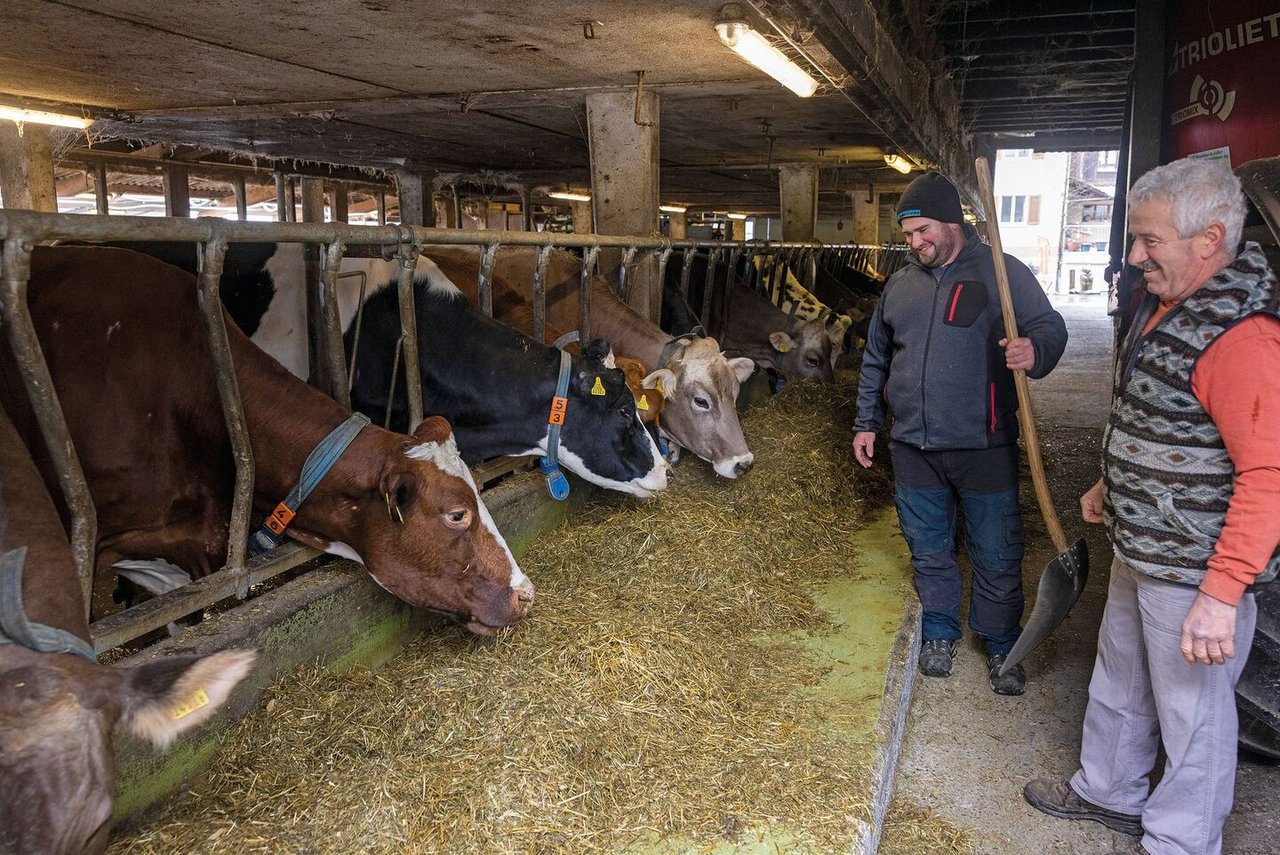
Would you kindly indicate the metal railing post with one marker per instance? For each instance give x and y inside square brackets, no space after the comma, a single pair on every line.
[334,365]
[584,298]
[407,256]
[540,293]
[484,282]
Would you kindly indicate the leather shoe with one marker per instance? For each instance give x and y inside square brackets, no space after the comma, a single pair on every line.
[1056,798]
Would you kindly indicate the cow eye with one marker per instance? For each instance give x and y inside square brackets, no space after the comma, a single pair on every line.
[458,518]
[812,360]
[701,403]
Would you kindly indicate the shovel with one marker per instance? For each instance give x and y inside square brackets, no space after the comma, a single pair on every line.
[1064,577]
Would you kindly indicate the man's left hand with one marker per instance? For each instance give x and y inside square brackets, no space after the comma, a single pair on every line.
[1209,631]
[1019,353]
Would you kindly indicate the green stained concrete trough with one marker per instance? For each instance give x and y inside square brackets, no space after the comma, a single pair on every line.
[337,617]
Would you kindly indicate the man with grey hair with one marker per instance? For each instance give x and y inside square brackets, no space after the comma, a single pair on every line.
[1190,494]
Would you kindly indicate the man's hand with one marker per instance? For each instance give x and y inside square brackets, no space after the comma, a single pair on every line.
[1091,504]
[864,447]
[1019,353]
[1209,631]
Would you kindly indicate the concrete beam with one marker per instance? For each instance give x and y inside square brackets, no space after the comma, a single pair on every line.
[410,189]
[26,167]
[918,109]
[798,191]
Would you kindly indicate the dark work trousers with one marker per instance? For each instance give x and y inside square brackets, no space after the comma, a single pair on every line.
[985,480]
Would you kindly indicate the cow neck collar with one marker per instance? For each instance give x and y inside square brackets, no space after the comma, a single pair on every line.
[557,484]
[317,465]
[17,628]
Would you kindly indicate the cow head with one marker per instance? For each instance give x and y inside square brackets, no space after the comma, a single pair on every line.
[700,412]
[804,353]
[420,529]
[603,439]
[57,716]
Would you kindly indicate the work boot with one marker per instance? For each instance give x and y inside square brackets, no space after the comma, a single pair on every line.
[1056,798]
[935,657]
[1012,683]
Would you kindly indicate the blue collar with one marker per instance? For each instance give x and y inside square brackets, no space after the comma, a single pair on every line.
[557,484]
[16,628]
[317,465]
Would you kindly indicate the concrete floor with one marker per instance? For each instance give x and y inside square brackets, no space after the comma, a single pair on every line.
[968,752]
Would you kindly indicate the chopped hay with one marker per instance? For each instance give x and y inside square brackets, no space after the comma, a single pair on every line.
[913,830]
[659,691]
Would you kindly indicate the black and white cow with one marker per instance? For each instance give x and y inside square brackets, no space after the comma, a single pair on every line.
[493,383]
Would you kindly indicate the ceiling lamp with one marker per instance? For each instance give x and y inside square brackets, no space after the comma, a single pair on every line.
[673,209]
[897,162]
[42,117]
[737,34]
[572,197]
[736,216]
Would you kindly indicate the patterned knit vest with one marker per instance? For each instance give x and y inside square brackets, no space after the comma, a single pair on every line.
[1168,476]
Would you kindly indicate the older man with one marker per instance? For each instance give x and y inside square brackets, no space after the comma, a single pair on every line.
[937,357]
[1191,496]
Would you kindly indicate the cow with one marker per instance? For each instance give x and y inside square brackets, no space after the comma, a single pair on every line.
[785,292]
[792,348]
[831,289]
[700,384]
[494,384]
[124,342]
[59,708]
[649,402]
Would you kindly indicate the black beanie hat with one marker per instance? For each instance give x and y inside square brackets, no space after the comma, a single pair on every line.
[931,196]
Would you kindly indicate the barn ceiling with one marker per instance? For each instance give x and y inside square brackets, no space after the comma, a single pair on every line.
[499,88]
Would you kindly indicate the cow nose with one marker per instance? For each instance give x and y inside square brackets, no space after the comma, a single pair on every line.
[742,466]
[523,595]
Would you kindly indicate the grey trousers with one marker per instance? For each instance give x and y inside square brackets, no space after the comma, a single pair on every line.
[1143,693]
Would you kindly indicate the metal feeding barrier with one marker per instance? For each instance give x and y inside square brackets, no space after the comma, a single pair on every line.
[21,231]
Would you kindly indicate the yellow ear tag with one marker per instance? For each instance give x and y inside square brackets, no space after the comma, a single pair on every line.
[658,386]
[598,389]
[182,709]
[642,404]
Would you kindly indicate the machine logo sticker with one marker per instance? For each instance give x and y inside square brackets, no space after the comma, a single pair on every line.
[1207,99]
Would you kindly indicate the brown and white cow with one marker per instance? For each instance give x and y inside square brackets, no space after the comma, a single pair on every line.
[58,710]
[123,338]
[699,383]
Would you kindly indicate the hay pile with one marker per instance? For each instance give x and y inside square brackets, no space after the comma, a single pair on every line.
[658,692]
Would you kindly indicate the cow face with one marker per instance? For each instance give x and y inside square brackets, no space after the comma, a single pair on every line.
[603,439]
[803,354]
[57,716]
[700,387]
[424,535]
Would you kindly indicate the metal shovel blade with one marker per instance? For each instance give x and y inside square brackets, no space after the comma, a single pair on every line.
[1060,586]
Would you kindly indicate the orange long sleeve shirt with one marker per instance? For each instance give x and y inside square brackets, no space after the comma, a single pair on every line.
[1237,381]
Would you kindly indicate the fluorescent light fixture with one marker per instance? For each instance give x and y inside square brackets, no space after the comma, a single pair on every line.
[897,162]
[737,216]
[572,197]
[41,117]
[673,209]
[756,49]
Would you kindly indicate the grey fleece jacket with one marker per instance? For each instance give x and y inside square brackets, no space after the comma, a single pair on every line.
[932,354]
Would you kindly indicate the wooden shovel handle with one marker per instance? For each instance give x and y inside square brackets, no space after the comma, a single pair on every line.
[1025,416]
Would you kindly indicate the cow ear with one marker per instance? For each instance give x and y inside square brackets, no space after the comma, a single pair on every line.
[664,380]
[743,367]
[432,429]
[597,350]
[170,695]
[781,341]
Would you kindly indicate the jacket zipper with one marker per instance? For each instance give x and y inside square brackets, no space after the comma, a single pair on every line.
[924,365]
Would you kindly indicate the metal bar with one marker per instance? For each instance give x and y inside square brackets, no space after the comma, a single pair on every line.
[282,198]
[382,207]
[540,293]
[157,612]
[813,270]
[318,362]
[713,258]
[215,329]
[664,255]
[356,324]
[21,333]
[485,283]
[685,269]
[624,280]
[408,258]
[732,268]
[334,367]
[457,208]
[584,300]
